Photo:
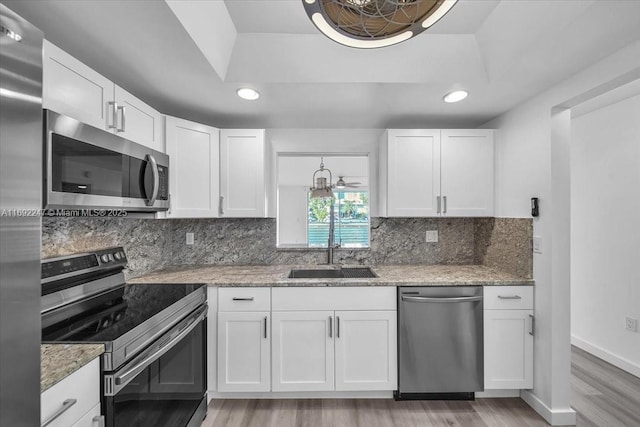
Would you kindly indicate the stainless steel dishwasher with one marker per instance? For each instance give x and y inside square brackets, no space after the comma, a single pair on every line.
[440,342]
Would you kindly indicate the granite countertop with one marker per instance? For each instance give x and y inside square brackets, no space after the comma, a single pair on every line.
[388,275]
[57,361]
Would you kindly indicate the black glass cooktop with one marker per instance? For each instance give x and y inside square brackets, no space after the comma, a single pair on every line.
[113,314]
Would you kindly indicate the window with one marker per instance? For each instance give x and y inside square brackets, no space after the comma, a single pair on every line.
[351,220]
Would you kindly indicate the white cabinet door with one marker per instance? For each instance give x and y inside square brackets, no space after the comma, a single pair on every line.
[91,418]
[212,338]
[73,89]
[366,355]
[79,393]
[193,150]
[242,173]
[303,347]
[137,121]
[467,173]
[508,349]
[243,351]
[413,174]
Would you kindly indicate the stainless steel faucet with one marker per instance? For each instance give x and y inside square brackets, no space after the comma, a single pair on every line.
[331,244]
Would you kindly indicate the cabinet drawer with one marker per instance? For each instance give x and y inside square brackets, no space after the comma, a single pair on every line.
[83,386]
[244,299]
[508,297]
[334,298]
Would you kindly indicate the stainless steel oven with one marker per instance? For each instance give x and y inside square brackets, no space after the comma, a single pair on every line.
[90,168]
[154,366]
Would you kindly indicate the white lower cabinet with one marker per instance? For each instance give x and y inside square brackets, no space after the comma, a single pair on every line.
[508,337]
[91,418]
[244,362]
[365,350]
[75,400]
[303,348]
[341,339]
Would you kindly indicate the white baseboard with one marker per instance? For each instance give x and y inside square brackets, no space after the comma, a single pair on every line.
[555,417]
[301,395]
[607,356]
[490,394]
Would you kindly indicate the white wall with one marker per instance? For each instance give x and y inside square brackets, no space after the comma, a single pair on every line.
[605,231]
[532,160]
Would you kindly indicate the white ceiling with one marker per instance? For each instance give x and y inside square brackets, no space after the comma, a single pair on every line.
[187,58]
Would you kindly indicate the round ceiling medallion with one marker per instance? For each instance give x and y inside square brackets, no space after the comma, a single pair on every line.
[374,23]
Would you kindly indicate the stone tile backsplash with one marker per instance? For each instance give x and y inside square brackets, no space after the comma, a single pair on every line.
[150,244]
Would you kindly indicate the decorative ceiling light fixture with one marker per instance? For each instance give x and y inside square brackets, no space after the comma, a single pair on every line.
[455,96]
[369,24]
[320,189]
[248,93]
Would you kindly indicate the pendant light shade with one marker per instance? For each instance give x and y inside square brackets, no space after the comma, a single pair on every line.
[320,188]
[374,23]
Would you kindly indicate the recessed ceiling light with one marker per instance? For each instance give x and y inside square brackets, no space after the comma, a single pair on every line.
[455,96]
[248,93]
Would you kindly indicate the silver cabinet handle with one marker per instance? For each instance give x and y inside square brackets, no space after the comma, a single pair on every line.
[445,299]
[444,204]
[68,403]
[114,108]
[220,207]
[99,419]
[122,121]
[509,297]
[156,179]
[337,326]
[533,324]
[265,326]
[242,298]
[330,326]
[438,203]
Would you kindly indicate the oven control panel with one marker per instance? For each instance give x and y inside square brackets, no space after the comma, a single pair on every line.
[80,263]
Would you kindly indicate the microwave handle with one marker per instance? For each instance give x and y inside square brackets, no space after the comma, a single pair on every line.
[156,180]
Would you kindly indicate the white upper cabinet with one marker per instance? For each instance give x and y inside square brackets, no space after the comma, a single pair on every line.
[467,172]
[193,150]
[73,89]
[413,172]
[242,173]
[432,172]
[137,121]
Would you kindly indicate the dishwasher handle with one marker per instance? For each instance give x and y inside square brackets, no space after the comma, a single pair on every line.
[441,299]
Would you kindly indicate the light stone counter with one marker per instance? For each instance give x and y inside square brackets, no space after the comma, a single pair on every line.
[388,275]
[57,361]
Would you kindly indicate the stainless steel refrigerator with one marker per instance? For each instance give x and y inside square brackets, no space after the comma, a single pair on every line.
[20,222]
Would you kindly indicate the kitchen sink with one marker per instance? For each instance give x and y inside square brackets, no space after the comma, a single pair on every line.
[336,273]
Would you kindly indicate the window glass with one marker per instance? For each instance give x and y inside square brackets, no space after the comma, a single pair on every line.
[351,220]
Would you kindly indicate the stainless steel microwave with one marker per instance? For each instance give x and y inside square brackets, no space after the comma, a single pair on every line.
[89,168]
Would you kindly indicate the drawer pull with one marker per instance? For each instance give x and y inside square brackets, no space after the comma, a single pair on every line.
[65,406]
[243,298]
[330,327]
[509,297]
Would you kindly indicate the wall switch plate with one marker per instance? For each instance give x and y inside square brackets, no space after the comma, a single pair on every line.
[431,236]
[631,324]
[537,244]
[189,238]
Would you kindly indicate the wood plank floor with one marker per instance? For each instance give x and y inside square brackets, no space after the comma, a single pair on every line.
[603,395]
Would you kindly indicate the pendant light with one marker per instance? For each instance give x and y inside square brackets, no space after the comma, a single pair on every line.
[320,189]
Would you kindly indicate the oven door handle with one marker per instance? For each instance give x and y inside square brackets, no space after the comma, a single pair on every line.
[132,372]
[156,179]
